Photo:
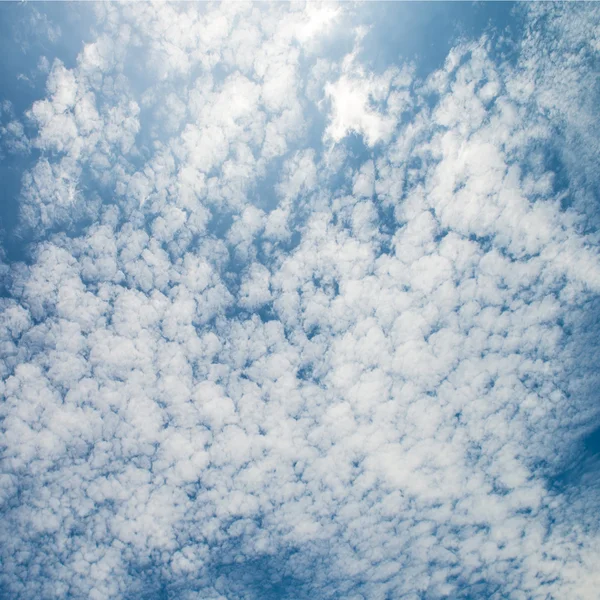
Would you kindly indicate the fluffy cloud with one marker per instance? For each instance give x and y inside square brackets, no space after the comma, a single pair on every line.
[244,360]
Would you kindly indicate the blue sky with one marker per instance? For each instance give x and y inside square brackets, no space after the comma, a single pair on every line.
[299,301]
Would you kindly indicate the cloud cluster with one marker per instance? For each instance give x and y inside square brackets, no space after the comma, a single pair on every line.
[267,366]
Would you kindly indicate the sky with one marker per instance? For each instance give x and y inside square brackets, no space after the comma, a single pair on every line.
[299,301]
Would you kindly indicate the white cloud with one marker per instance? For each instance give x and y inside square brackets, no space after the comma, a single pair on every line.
[351,98]
[385,421]
[254,291]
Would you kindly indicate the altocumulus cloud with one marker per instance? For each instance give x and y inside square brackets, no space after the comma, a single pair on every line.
[284,317]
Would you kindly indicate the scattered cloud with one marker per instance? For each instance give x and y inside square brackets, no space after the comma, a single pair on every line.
[295,327]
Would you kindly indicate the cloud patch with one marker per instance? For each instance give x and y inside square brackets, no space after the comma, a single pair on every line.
[283,334]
